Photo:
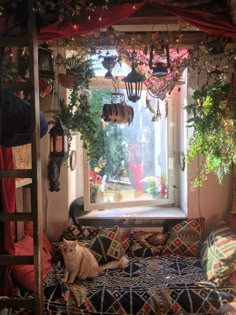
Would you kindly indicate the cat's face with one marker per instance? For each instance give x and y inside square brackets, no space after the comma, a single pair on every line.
[68,247]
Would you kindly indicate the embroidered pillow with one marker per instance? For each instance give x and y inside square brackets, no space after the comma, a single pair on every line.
[218,253]
[185,238]
[107,245]
[73,233]
[147,244]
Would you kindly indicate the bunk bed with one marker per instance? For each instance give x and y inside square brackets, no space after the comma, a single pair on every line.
[20,124]
[53,28]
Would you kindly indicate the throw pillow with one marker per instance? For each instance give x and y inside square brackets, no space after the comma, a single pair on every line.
[107,245]
[73,233]
[218,253]
[147,244]
[24,274]
[185,238]
[28,230]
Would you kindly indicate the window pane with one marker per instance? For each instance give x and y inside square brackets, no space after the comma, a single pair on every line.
[130,161]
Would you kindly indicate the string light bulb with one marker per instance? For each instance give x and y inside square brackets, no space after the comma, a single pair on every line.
[75,22]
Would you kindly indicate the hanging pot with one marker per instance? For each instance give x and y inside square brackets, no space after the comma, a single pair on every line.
[68,79]
[119,113]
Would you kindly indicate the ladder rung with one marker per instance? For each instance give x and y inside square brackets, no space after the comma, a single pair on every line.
[17,86]
[21,41]
[16,260]
[20,173]
[17,302]
[16,216]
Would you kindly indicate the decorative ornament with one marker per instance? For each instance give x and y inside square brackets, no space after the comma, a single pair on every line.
[159,69]
[59,152]
[109,63]
[118,111]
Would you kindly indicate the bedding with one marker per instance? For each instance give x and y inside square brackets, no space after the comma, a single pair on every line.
[163,280]
[153,285]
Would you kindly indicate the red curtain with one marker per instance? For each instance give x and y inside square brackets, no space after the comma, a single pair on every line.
[7,204]
[206,15]
[98,19]
[212,17]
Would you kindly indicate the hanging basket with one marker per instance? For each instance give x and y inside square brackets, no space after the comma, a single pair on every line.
[68,79]
[118,111]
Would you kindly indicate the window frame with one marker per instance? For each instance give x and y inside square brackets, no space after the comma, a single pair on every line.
[174,181]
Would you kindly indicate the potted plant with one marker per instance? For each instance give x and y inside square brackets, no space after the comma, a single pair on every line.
[213,118]
[78,70]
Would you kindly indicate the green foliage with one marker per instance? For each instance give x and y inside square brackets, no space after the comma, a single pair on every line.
[81,67]
[116,151]
[111,146]
[213,118]
[76,114]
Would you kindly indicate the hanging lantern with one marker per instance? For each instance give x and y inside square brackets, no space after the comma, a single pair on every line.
[133,83]
[59,152]
[59,140]
[45,63]
[159,69]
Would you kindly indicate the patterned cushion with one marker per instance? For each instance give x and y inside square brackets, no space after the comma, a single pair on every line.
[218,253]
[73,233]
[185,238]
[107,246]
[147,244]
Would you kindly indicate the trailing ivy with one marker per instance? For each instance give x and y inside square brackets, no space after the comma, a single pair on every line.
[213,119]
[76,114]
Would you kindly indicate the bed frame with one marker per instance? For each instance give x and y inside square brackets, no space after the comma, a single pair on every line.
[30,41]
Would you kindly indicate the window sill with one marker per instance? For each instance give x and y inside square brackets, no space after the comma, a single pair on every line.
[158,213]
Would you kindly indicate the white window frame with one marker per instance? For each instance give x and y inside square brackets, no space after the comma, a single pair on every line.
[177,178]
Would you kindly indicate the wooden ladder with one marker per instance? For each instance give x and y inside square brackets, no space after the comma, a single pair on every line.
[32,86]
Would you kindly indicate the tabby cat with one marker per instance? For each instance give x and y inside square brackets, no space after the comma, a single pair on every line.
[80,262]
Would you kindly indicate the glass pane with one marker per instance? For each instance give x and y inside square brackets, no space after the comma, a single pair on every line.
[130,161]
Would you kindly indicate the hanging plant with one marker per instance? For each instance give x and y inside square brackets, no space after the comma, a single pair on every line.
[213,119]
[79,71]
[76,114]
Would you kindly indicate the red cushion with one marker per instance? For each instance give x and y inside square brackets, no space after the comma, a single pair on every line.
[231,221]
[24,274]
[28,227]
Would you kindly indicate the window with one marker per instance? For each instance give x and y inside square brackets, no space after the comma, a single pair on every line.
[136,163]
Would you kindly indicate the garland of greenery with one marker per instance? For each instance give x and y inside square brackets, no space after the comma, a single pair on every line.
[213,118]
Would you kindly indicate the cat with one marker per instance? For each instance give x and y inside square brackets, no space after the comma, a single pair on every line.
[76,209]
[81,263]
[228,309]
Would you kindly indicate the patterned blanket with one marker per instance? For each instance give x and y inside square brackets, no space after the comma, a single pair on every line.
[148,286]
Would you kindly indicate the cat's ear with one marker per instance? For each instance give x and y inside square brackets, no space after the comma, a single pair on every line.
[65,242]
[60,248]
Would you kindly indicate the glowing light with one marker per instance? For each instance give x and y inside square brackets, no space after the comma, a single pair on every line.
[75,27]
